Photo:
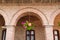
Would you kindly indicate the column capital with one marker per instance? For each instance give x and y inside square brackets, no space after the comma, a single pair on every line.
[4,27]
[48,25]
[7,26]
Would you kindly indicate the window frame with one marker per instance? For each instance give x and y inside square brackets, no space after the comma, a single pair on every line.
[4,34]
[30,34]
[56,34]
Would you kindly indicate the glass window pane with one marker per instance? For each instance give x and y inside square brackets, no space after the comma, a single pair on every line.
[32,32]
[32,37]
[28,32]
[55,32]
[28,37]
[56,37]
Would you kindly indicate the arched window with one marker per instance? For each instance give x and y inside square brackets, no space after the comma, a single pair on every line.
[56,34]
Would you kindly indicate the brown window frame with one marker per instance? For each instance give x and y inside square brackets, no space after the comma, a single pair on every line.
[56,34]
[30,34]
[4,34]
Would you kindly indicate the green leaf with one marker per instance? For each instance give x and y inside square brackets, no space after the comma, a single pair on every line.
[29,28]
[58,23]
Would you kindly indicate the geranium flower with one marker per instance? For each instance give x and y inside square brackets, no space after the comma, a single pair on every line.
[23,23]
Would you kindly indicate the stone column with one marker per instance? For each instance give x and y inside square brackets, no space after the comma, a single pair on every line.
[10,32]
[49,32]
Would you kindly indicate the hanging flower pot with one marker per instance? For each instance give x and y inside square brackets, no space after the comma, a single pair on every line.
[27,25]
[30,33]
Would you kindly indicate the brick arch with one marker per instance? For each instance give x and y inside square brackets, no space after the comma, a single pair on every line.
[5,16]
[20,12]
[54,14]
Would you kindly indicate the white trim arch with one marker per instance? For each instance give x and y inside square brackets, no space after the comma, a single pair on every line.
[20,12]
[3,13]
[54,14]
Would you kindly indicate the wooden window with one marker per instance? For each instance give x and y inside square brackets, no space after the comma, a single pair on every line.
[30,35]
[4,34]
[56,34]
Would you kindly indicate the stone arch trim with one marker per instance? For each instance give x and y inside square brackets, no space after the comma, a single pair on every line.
[54,14]
[5,16]
[29,9]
